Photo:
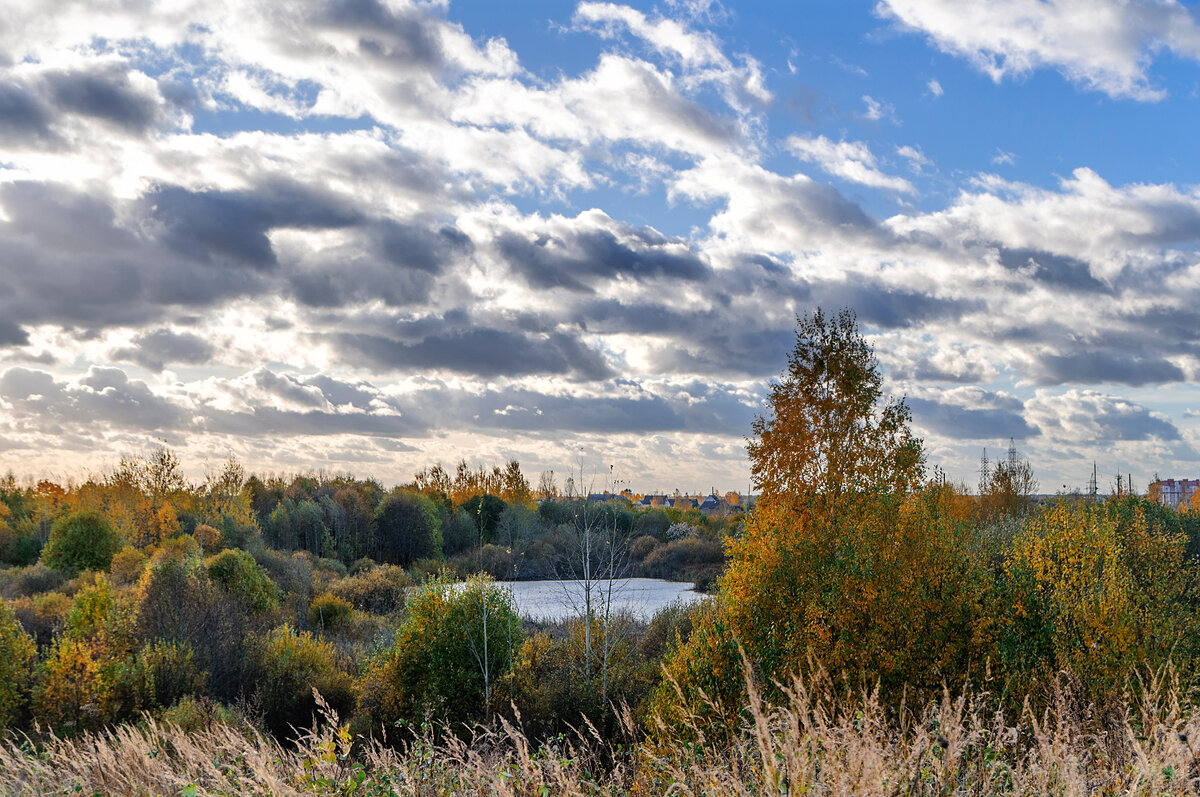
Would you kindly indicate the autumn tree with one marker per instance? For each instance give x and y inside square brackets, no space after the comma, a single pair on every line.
[825,434]
[18,655]
[407,528]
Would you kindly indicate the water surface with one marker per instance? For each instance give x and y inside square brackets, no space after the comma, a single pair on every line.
[558,600]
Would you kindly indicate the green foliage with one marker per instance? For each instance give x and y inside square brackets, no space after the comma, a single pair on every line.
[451,659]
[285,667]
[18,656]
[169,672]
[82,541]
[408,528]
[459,533]
[237,572]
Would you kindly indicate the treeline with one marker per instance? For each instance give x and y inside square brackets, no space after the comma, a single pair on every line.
[234,598]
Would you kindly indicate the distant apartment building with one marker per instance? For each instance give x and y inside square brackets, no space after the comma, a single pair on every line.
[1174,492]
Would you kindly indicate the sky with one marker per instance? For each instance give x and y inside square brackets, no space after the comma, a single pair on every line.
[366,236]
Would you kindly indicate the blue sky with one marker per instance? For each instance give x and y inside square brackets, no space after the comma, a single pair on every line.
[370,235]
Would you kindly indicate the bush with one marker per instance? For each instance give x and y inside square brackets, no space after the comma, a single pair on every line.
[18,656]
[329,611]
[31,580]
[169,670]
[127,565]
[379,590]
[42,615]
[208,537]
[433,668]
[82,541]
[459,534]
[237,572]
[19,543]
[71,691]
[196,713]
[286,667]
[688,559]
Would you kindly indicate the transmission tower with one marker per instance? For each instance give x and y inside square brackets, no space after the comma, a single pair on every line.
[985,473]
[1093,484]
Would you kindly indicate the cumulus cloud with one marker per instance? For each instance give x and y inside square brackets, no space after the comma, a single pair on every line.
[1088,416]
[850,160]
[1103,45]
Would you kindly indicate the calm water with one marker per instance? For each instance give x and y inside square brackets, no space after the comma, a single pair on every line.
[557,600]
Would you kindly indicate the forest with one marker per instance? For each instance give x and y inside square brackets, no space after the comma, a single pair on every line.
[874,628]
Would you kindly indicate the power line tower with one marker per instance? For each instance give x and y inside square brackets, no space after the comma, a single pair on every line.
[985,473]
[1093,483]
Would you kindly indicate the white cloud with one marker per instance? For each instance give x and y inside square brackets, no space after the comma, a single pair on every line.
[935,88]
[1104,45]
[877,110]
[1004,158]
[850,160]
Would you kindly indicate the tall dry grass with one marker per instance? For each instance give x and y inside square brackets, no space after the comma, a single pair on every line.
[819,741]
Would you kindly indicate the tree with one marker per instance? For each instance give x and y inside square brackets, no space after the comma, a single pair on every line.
[82,541]
[407,528]
[456,646]
[823,436]
[18,655]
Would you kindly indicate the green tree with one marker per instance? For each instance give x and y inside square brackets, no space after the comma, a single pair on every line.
[82,541]
[407,528]
[451,659]
[240,575]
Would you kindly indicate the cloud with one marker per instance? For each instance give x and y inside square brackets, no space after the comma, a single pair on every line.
[1102,45]
[160,347]
[935,88]
[966,423]
[850,160]
[480,351]
[1002,158]
[1088,416]
[877,110]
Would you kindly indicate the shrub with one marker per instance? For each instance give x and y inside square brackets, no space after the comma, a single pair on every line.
[42,615]
[436,666]
[208,537]
[194,713]
[240,575]
[82,541]
[31,580]
[127,565]
[687,558]
[70,692]
[18,655]
[459,534]
[379,590]
[286,667]
[169,670]
[329,611]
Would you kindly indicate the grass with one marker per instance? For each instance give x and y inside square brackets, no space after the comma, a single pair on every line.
[819,741]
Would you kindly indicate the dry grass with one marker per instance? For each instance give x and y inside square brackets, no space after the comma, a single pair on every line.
[818,742]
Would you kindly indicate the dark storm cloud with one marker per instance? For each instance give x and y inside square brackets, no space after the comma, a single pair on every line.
[967,423]
[65,259]
[106,94]
[1105,366]
[481,351]
[12,334]
[158,348]
[420,247]
[881,306]
[407,36]
[581,259]
[1058,271]
[230,227]
[24,119]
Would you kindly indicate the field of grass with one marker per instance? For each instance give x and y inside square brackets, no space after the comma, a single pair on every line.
[819,741]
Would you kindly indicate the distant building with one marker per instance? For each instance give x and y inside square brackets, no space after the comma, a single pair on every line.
[1174,493]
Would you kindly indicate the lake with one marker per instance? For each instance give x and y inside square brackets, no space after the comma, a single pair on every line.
[558,600]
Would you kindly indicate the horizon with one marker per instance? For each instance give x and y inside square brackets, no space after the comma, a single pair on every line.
[378,235]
